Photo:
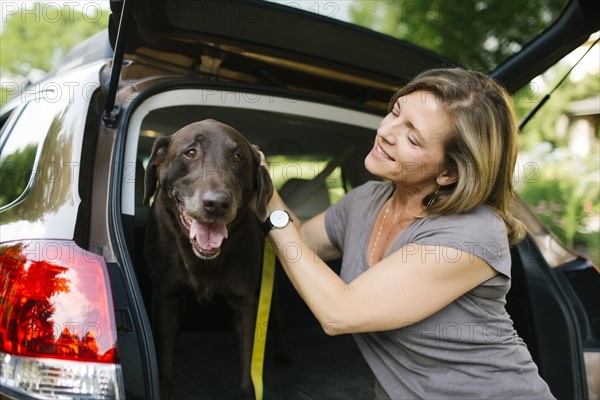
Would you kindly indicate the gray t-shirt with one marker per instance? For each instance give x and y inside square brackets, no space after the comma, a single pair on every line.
[467,350]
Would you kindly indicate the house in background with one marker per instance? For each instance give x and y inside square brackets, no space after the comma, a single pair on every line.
[583,125]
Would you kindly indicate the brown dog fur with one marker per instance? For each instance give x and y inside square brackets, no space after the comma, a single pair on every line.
[202,233]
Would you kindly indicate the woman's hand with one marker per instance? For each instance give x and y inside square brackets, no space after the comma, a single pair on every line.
[275,202]
[263,159]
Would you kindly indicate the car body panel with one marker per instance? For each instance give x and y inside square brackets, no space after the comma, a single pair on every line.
[49,206]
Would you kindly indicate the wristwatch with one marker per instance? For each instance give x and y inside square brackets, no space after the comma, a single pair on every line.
[277,219]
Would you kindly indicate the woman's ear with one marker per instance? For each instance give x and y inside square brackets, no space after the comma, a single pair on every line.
[447,177]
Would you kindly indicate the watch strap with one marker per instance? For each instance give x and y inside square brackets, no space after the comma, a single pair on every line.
[266,226]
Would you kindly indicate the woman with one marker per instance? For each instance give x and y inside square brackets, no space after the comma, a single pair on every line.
[426,261]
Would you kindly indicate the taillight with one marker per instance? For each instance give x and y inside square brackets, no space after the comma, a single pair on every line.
[57,325]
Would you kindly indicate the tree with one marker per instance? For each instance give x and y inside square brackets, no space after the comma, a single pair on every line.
[39,36]
[491,30]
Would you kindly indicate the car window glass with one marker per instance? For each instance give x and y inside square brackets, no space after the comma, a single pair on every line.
[308,168]
[308,184]
[18,151]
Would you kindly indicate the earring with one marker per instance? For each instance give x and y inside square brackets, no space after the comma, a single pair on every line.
[432,199]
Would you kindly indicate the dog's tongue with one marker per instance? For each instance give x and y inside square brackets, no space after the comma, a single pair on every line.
[208,236]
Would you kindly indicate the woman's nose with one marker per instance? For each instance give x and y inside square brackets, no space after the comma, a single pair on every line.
[385,132]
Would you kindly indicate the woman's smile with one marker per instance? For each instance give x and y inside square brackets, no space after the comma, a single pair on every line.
[381,154]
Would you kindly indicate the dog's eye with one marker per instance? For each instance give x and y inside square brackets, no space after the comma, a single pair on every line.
[191,153]
[237,157]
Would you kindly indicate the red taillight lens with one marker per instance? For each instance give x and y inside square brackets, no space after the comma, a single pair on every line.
[56,314]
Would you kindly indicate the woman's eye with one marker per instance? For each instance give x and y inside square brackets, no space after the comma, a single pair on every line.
[412,141]
[191,153]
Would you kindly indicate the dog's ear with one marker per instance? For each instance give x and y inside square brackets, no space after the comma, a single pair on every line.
[158,151]
[263,185]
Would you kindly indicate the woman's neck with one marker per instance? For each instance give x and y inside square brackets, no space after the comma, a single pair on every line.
[405,203]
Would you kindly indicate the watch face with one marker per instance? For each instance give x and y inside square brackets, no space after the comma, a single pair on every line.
[279,218]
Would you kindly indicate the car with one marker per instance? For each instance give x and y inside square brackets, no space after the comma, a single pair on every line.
[308,84]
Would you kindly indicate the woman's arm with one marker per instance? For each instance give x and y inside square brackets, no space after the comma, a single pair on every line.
[402,289]
[313,231]
[314,234]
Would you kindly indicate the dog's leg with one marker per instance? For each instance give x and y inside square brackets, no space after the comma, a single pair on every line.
[244,321]
[165,311]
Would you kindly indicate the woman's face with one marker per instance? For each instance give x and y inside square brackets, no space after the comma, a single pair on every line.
[409,142]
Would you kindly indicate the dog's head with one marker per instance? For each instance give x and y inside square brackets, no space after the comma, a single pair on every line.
[209,172]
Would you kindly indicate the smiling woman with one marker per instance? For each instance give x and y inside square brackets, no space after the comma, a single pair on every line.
[444,260]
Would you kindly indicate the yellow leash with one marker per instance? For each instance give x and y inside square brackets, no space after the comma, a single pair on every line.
[262,318]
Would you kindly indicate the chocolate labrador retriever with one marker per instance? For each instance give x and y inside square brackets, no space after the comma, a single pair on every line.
[202,233]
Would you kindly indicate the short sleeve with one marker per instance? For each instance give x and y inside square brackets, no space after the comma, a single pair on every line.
[480,232]
[336,217]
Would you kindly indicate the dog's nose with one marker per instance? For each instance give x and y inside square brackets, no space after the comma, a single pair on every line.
[216,201]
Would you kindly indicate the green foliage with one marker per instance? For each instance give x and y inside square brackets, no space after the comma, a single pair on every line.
[564,195]
[566,190]
[39,35]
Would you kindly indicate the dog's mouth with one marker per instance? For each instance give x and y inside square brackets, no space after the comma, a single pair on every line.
[206,237]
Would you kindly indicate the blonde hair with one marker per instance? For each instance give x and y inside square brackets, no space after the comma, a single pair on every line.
[482,146]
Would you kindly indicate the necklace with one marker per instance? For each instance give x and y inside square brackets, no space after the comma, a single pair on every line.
[378,234]
[400,221]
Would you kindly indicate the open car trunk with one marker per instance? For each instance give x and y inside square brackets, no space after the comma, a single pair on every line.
[313,110]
